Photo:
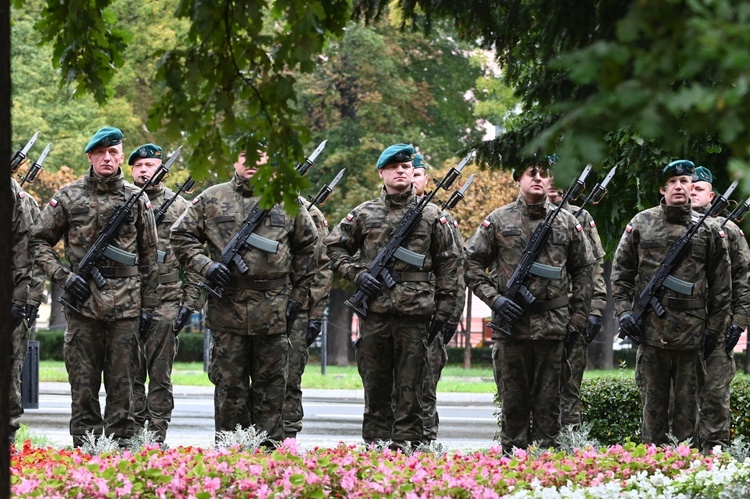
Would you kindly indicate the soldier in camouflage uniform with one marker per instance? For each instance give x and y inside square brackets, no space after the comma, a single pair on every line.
[714,418]
[576,345]
[306,328]
[528,364]
[249,345]
[668,357]
[101,338]
[392,344]
[176,302]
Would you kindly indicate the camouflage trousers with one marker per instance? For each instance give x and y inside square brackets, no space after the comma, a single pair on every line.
[391,359]
[93,347]
[437,357]
[20,348]
[659,372]
[528,374]
[298,355]
[573,367]
[249,374]
[715,416]
[155,359]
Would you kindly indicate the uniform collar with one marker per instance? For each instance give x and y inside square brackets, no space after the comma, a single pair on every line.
[242,185]
[154,191]
[397,200]
[680,214]
[533,211]
[104,184]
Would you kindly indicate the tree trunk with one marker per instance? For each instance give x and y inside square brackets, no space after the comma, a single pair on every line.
[467,346]
[56,315]
[600,350]
[340,346]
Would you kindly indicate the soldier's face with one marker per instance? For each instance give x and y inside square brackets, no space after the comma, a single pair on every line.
[554,194]
[701,194]
[106,160]
[144,169]
[677,190]
[419,179]
[247,171]
[534,184]
[397,177]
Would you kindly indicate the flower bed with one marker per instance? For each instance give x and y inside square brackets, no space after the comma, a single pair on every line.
[629,470]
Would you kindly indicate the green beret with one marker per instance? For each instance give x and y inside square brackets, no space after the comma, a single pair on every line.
[551,160]
[703,174]
[106,137]
[679,167]
[145,151]
[397,153]
[418,161]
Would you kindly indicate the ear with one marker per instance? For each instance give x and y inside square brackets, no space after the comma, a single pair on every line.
[662,190]
[380,173]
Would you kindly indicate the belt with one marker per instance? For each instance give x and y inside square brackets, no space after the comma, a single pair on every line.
[115,272]
[259,284]
[541,306]
[686,303]
[412,276]
[169,278]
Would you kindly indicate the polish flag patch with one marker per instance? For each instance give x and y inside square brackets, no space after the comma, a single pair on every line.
[579,227]
[742,233]
[592,224]
[22,194]
[325,223]
[195,201]
[148,204]
[53,202]
[722,234]
[350,217]
[443,220]
[628,228]
[486,223]
[455,223]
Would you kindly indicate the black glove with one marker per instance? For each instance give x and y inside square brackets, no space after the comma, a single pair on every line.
[592,328]
[18,313]
[732,336]
[448,331]
[32,312]
[709,344]
[182,319]
[313,331]
[144,326]
[368,284]
[630,327]
[218,273]
[507,309]
[433,328]
[292,311]
[570,338]
[77,287]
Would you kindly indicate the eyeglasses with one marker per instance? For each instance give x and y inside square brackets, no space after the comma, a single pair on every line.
[533,171]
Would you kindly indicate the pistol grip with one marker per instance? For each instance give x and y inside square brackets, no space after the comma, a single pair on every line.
[98,278]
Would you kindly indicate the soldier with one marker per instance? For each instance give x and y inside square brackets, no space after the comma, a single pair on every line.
[392,343]
[714,418]
[576,345]
[528,364]
[306,328]
[249,345]
[101,337]
[668,357]
[176,302]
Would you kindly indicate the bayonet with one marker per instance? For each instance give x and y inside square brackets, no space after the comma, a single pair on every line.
[325,191]
[20,156]
[599,190]
[303,167]
[33,171]
[458,195]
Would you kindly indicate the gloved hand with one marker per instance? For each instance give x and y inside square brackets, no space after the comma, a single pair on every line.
[313,331]
[570,338]
[709,344]
[292,310]
[507,309]
[368,284]
[144,326]
[448,331]
[77,287]
[732,336]
[182,319]
[433,328]
[18,313]
[218,273]
[592,328]
[32,312]
[629,326]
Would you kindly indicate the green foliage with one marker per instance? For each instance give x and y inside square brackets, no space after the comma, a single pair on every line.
[612,408]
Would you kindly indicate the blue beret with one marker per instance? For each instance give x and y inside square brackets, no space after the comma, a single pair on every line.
[145,151]
[703,174]
[418,161]
[679,167]
[106,137]
[397,153]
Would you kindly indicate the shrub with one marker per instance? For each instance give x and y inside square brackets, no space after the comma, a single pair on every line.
[612,406]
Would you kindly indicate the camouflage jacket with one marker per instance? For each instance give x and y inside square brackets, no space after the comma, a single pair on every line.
[321,285]
[599,292]
[78,212]
[358,238]
[498,245]
[213,218]
[172,287]
[640,252]
[458,311]
[739,257]
[38,277]
[21,220]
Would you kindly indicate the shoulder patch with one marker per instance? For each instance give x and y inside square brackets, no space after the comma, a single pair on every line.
[22,194]
[350,217]
[592,224]
[195,201]
[579,227]
[443,220]
[722,234]
[148,204]
[53,202]
[486,223]
[455,223]
[325,223]
[628,228]
[742,233]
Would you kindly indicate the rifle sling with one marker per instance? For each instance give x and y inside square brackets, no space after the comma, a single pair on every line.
[541,306]
[116,272]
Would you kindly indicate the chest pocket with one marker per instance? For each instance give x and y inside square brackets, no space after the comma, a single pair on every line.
[698,250]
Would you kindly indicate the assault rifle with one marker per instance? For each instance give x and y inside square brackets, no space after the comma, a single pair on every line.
[458,195]
[102,247]
[599,190]
[325,191]
[20,156]
[378,267]
[662,278]
[36,166]
[516,286]
[161,211]
[738,213]
[246,237]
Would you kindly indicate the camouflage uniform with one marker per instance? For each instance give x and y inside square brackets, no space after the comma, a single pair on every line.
[528,365]
[577,354]
[101,338]
[668,357]
[392,343]
[312,309]
[248,324]
[156,356]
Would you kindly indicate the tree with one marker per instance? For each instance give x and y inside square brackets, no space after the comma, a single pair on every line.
[6,331]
